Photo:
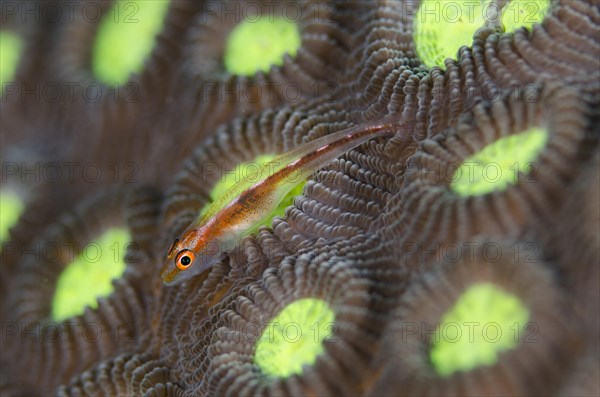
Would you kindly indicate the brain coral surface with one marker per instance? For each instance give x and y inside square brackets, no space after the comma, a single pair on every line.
[458,255]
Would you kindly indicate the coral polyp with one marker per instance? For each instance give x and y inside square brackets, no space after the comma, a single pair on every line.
[485,304]
[507,157]
[272,38]
[456,256]
[11,208]
[294,337]
[11,45]
[89,276]
[125,38]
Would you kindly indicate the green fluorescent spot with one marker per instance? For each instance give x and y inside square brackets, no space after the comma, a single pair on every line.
[11,207]
[126,37]
[294,337]
[482,323]
[244,169]
[441,27]
[11,46]
[498,164]
[524,13]
[89,276]
[257,44]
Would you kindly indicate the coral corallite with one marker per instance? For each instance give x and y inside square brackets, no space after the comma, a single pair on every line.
[456,256]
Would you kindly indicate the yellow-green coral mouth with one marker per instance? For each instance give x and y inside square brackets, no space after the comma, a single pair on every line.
[90,275]
[441,27]
[484,322]
[126,37]
[524,13]
[278,353]
[498,165]
[11,46]
[256,45]
[11,208]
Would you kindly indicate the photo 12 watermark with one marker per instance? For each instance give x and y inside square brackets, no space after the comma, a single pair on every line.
[70,172]
[71,331]
[65,252]
[69,92]
[250,11]
[471,332]
[454,252]
[67,11]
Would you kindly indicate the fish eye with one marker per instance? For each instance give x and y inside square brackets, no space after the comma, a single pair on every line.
[184,259]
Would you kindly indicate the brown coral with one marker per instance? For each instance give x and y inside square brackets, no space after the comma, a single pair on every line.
[344,238]
[117,324]
[226,346]
[432,212]
[127,374]
[518,269]
[574,242]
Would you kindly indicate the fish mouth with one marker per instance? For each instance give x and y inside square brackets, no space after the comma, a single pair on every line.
[168,276]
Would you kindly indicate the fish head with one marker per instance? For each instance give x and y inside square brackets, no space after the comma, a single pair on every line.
[190,256]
